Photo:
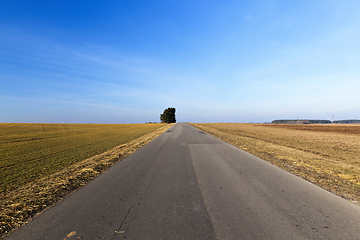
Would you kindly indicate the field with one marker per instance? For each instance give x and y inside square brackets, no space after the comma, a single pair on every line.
[31,151]
[326,155]
[41,164]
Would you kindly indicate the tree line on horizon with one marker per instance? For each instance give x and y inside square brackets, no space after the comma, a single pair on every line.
[309,121]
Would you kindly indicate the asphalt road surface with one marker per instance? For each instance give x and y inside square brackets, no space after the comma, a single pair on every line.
[186,184]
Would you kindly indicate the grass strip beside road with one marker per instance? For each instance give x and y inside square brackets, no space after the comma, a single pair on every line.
[22,203]
[326,155]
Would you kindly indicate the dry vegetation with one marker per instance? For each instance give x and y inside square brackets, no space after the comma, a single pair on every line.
[326,155]
[57,157]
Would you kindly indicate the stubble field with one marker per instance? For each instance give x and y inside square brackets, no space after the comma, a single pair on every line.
[31,151]
[326,155]
[40,164]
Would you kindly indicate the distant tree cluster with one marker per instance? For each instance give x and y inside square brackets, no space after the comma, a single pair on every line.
[348,121]
[300,121]
[307,121]
[168,116]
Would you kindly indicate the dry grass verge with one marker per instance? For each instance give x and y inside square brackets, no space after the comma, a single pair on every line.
[326,155]
[19,206]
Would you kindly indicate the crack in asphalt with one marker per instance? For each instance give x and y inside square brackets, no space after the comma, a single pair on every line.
[117,231]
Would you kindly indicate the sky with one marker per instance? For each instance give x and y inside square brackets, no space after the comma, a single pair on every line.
[125,61]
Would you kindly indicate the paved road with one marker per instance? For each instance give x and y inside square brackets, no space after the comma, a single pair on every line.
[186,184]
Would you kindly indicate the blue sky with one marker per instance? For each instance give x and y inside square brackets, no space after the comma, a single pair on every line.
[125,61]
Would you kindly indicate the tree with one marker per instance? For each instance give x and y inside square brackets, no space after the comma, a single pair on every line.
[168,116]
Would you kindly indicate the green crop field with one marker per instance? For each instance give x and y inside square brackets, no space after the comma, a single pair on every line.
[31,151]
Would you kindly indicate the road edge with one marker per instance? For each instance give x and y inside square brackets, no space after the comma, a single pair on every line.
[26,203]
